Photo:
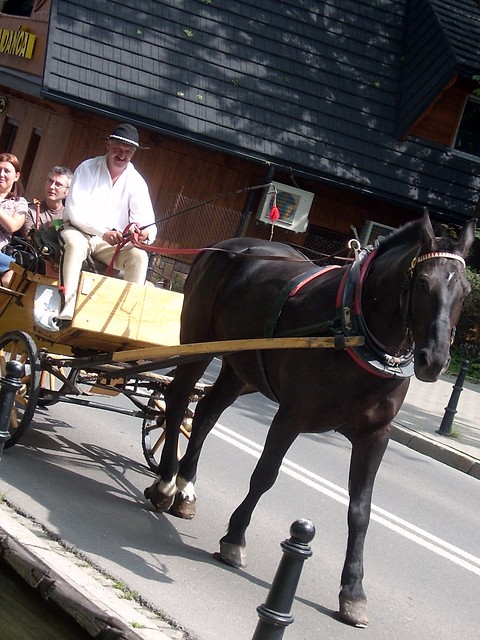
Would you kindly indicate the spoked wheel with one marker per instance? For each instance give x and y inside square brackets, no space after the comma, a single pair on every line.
[17,345]
[153,431]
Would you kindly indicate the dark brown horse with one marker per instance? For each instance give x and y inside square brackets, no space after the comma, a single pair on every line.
[404,298]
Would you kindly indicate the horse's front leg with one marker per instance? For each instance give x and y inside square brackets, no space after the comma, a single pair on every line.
[367,454]
[224,392]
[280,436]
[177,396]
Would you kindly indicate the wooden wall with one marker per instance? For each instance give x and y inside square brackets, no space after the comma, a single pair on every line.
[440,122]
[184,172]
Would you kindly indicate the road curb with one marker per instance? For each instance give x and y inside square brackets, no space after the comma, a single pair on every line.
[83,593]
[437,450]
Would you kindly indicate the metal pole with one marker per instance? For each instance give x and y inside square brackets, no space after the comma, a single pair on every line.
[10,385]
[275,613]
[450,410]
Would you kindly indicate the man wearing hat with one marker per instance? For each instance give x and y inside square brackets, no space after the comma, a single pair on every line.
[106,194]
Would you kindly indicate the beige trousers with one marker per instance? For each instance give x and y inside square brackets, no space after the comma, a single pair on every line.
[78,246]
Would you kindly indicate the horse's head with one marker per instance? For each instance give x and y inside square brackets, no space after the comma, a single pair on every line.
[437,289]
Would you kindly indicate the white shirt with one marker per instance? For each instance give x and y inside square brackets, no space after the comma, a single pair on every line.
[95,204]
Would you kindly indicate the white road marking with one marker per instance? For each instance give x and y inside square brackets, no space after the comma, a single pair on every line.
[402,527]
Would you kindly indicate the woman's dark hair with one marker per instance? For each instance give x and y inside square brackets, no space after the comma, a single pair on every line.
[17,188]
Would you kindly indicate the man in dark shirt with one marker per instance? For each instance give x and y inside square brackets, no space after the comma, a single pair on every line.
[42,214]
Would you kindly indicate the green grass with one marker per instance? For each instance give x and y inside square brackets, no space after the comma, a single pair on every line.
[458,357]
[127,593]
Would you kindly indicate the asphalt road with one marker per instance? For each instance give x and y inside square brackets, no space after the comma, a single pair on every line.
[80,472]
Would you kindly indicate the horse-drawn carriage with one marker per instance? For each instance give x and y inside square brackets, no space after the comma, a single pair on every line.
[266,308]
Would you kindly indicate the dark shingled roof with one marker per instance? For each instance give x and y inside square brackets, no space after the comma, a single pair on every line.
[442,41]
[322,88]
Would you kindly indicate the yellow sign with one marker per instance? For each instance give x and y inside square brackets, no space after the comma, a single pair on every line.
[17,43]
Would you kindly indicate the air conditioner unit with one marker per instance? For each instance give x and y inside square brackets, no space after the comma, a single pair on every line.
[374,231]
[293,206]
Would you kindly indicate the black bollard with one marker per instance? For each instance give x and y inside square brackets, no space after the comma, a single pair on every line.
[275,613]
[450,410]
[10,384]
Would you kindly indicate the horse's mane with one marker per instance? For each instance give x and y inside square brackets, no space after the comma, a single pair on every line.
[410,235]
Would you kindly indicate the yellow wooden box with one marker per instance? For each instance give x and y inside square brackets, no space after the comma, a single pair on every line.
[131,312]
[111,314]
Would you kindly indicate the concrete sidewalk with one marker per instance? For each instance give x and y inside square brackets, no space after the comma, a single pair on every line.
[420,418]
[66,581]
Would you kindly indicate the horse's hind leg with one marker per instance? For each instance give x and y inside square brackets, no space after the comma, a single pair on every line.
[367,454]
[280,436]
[177,396]
[224,392]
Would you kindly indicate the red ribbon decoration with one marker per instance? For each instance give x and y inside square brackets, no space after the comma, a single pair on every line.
[274,213]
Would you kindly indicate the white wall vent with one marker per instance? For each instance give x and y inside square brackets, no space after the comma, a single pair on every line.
[374,231]
[293,205]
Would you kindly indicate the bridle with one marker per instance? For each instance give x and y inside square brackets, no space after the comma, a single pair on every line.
[373,356]
[436,254]
[407,285]
[408,282]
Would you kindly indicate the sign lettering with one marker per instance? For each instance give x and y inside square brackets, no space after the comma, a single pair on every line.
[17,43]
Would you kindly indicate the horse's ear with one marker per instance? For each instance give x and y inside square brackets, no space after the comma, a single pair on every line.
[467,236]
[427,229]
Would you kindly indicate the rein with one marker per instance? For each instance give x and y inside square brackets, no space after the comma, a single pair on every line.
[131,232]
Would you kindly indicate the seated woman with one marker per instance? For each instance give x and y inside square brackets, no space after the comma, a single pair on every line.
[13,209]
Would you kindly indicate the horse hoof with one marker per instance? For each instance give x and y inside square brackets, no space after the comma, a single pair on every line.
[232,554]
[354,612]
[160,501]
[183,507]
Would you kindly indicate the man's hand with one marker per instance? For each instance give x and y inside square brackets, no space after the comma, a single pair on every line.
[142,234]
[112,236]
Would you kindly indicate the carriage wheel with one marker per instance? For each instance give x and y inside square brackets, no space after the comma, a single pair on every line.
[153,431]
[17,345]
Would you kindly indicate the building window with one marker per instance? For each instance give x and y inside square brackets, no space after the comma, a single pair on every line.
[8,135]
[17,7]
[30,155]
[468,135]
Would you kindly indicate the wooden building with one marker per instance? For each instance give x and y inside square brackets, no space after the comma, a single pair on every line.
[363,112]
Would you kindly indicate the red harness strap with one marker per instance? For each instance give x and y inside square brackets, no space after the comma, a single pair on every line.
[311,277]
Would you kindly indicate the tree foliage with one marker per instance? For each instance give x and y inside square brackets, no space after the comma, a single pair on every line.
[468,329]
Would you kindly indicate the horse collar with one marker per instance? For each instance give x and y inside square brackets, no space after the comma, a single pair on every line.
[371,356]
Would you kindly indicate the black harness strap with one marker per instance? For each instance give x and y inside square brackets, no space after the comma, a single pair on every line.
[290,289]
